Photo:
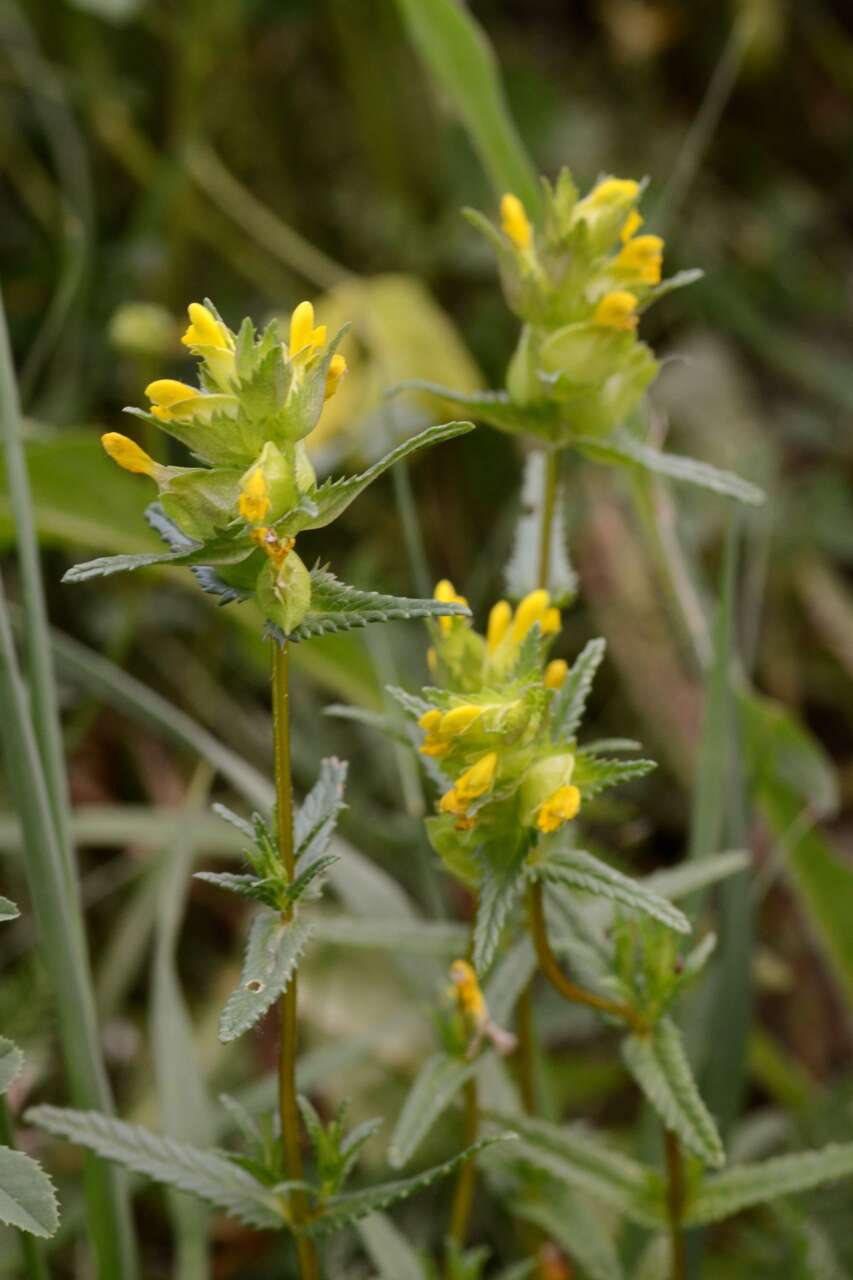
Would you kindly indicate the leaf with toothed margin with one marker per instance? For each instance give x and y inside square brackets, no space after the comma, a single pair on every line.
[272,954]
[317,816]
[333,497]
[8,910]
[743,1186]
[624,450]
[570,701]
[336,606]
[581,871]
[27,1197]
[11,1061]
[228,549]
[339,1211]
[500,889]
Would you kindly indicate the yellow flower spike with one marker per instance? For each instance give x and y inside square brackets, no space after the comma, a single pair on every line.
[515,222]
[445,592]
[531,610]
[617,310]
[560,807]
[254,500]
[165,393]
[128,454]
[500,616]
[641,258]
[304,337]
[337,369]
[466,989]
[612,191]
[459,719]
[205,330]
[555,673]
[551,622]
[632,224]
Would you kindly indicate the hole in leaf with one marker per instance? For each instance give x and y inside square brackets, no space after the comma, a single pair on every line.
[255,985]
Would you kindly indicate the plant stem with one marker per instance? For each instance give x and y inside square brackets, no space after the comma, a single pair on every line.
[463,1195]
[550,967]
[35,1266]
[675,1202]
[288,1109]
[546,531]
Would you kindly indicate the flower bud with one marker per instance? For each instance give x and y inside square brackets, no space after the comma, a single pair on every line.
[284,591]
[605,209]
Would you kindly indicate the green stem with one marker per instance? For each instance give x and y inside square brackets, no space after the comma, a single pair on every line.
[675,1203]
[288,1035]
[551,969]
[31,1251]
[546,526]
[463,1195]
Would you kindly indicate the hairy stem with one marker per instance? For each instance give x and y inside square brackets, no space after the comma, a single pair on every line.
[463,1195]
[550,967]
[288,1109]
[675,1203]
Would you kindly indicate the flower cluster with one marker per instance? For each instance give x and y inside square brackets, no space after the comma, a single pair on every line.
[580,283]
[491,732]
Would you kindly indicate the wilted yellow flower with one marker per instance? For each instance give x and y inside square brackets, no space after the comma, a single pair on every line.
[515,221]
[617,310]
[254,498]
[466,988]
[560,807]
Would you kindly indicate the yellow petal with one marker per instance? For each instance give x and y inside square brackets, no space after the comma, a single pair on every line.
[612,191]
[430,719]
[254,500]
[515,221]
[205,330]
[531,610]
[477,780]
[128,454]
[500,617]
[165,393]
[632,223]
[459,719]
[617,310]
[337,369]
[560,807]
[555,673]
[642,258]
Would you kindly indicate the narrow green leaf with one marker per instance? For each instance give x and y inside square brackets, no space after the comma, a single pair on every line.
[658,1063]
[388,1249]
[27,1197]
[570,703]
[11,1061]
[317,816]
[8,910]
[570,1223]
[206,1174]
[623,449]
[585,1163]
[457,53]
[508,979]
[347,1208]
[247,886]
[689,877]
[333,497]
[272,953]
[747,1185]
[500,889]
[580,870]
[219,551]
[435,1086]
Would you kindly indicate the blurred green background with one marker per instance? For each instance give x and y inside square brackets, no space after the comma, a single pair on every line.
[258,153]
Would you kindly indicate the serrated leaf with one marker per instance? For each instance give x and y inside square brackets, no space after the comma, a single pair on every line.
[689,877]
[247,886]
[204,1173]
[522,571]
[317,816]
[595,773]
[308,883]
[410,703]
[8,910]
[499,891]
[224,550]
[570,703]
[581,871]
[27,1197]
[11,1061]
[389,1250]
[341,1210]
[333,497]
[406,936]
[584,1162]
[435,1086]
[623,449]
[337,606]
[272,954]
[747,1185]
[659,1065]
[569,1223]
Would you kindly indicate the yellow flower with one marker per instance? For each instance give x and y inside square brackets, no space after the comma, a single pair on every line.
[470,785]
[171,399]
[632,223]
[500,617]
[446,593]
[555,673]
[433,744]
[459,719]
[641,259]
[305,339]
[128,454]
[550,623]
[561,806]
[617,310]
[254,499]
[532,609]
[466,988]
[515,221]
[337,369]
[205,330]
[611,191]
